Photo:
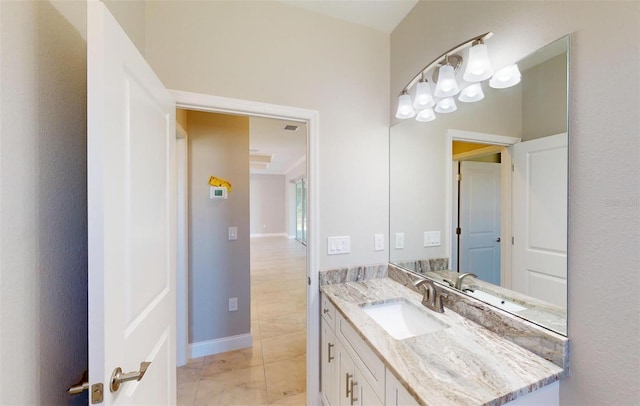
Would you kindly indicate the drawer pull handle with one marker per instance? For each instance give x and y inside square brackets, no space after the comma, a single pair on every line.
[329,357]
[325,311]
[346,385]
[353,383]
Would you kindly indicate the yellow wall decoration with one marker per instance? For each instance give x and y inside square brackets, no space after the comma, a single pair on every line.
[213,181]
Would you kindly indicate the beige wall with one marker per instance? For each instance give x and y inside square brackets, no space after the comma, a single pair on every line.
[43,221]
[268,204]
[604,193]
[270,52]
[544,99]
[218,268]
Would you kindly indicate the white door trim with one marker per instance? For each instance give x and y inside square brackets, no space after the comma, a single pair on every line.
[505,219]
[202,102]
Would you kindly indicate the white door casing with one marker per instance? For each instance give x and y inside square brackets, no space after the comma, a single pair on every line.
[131,217]
[540,218]
[480,220]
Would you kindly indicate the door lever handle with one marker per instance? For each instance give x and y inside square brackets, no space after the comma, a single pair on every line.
[81,386]
[118,377]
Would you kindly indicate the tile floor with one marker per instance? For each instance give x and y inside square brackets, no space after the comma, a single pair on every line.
[273,371]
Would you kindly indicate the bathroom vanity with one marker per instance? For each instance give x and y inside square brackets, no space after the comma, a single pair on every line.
[381,346]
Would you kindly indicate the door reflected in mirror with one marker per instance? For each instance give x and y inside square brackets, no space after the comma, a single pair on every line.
[492,181]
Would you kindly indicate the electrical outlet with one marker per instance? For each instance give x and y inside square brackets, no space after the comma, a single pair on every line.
[432,238]
[399,241]
[338,245]
[233,304]
[378,242]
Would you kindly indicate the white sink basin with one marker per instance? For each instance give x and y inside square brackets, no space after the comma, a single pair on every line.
[402,319]
[496,301]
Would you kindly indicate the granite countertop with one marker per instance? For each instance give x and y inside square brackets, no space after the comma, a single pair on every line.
[538,311]
[464,364]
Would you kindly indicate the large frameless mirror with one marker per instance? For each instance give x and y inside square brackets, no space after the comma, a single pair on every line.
[478,198]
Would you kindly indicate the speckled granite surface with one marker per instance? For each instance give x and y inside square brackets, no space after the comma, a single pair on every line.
[354,274]
[541,341]
[463,364]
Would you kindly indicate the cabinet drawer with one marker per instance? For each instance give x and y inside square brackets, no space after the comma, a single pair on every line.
[328,312]
[363,356]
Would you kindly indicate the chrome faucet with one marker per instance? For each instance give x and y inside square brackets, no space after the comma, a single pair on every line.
[461,278]
[431,299]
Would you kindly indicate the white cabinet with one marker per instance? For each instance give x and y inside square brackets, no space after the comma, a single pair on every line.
[396,394]
[351,374]
[355,389]
[329,363]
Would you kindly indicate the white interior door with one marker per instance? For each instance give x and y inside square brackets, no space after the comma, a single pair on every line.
[132,217]
[480,220]
[540,218]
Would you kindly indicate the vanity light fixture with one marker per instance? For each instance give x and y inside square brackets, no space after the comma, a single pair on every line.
[423,98]
[443,71]
[446,105]
[405,109]
[426,115]
[506,77]
[478,67]
[471,93]
[447,84]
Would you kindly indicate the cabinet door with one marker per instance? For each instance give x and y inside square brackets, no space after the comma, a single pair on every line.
[329,366]
[364,392]
[355,390]
[396,394]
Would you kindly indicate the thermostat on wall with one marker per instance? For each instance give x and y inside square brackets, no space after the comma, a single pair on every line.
[217,192]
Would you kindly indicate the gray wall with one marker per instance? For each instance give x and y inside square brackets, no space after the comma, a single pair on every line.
[43,231]
[271,52]
[544,99]
[604,151]
[268,204]
[218,268]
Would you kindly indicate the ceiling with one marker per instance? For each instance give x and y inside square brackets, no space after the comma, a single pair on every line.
[269,142]
[381,15]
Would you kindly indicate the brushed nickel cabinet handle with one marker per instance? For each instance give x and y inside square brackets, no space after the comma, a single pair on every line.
[330,346]
[353,383]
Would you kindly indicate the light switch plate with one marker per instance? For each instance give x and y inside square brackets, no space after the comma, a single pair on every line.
[233,304]
[378,242]
[233,233]
[399,241]
[338,245]
[432,238]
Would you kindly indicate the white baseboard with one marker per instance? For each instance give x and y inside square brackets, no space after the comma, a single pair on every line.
[218,345]
[268,235]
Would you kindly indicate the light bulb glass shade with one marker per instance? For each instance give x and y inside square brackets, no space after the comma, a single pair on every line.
[447,84]
[478,66]
[426,115]
[424,98]
[447,105]
[505,77]
[471,93]
[405,109]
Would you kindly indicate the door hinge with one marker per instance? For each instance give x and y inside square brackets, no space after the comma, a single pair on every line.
[309,280]
[513,168]
[459,177]
[97,393]
[458,230]
[513,240]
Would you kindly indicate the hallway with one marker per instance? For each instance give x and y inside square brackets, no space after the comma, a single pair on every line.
[273,371]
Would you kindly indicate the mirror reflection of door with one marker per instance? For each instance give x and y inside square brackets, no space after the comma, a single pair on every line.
[479,219]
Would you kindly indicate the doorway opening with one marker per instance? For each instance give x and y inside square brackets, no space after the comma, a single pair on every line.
[477,200]
[275,253]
